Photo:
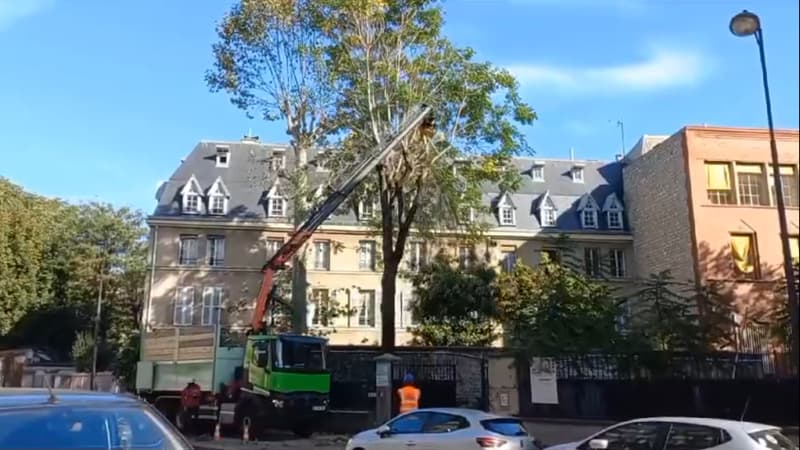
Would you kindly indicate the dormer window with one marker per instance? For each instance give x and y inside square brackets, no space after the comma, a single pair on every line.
[223,156]
[587,208]
[577,174]
[467,216]
[277,161]
[276,202]
[190,196]
[613,209]
[218,196]
[366,210]
[537,172]
[548,214]
[506,211]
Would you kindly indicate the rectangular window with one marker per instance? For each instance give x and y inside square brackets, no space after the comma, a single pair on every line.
[276,207]
[464,253]
[506,215]
[548,217]
[366,210]
[794,248]
[217,204]
[366,255]
[615,219]
[718,183]
[278,161]
[589,218]
[321,302]
[216,251]
[273,245]
[213,300]
[617,263]
[591,262]
[417,255]
[537,173]
[508,258]
[751,181]
[187,251]
[577,175]
[191,203]
[322,255]
[789,185]
[549,256]
[366,309]
[744,254]
[223,156]
[184,306]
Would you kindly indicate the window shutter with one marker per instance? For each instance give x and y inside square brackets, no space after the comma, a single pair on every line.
[208,305]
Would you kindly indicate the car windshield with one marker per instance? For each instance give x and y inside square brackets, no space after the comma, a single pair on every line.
[506,427]
[773,439]
[87,427]
[301,354]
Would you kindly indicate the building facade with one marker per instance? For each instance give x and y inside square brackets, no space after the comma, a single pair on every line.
[223,212]
[701,203]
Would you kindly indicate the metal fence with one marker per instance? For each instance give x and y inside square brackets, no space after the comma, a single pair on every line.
[758,387]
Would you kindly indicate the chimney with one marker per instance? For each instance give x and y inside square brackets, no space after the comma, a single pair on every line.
[250,138]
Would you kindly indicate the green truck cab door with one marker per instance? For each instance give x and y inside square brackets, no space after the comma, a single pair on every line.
[257,362]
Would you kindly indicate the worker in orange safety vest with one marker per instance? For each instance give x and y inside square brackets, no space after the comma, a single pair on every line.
[409,394]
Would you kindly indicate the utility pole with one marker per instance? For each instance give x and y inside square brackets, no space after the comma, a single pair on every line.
[96,333]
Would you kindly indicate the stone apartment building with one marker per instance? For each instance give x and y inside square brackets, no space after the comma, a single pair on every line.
[221,214]
[701,203]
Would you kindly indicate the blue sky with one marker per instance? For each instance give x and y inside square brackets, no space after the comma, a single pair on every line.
[99,100]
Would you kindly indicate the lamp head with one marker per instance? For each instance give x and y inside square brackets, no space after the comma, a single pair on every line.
[744,24]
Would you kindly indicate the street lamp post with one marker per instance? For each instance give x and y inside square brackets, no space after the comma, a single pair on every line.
[745,24]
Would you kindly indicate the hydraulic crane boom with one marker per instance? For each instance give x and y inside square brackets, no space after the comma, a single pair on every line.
[328,207]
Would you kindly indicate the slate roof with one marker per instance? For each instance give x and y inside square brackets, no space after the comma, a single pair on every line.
[247,183]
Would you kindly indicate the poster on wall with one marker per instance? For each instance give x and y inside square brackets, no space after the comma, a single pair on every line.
[544,386]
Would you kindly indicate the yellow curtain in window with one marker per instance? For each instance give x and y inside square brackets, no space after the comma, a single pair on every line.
[794,248]
[718,176]
[784,170]
[748,168]
[742,251]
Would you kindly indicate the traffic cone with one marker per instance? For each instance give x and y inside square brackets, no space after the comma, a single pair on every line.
[217,434]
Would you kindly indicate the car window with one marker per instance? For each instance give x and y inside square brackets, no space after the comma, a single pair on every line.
[684,436]
[632,436]
[506,427]
[65,427]
[773,439]
[444,423]
[410,423]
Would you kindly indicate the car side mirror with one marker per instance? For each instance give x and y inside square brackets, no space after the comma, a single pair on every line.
[384,431]
[598,444]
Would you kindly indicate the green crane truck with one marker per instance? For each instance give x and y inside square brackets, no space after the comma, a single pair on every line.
[285,380]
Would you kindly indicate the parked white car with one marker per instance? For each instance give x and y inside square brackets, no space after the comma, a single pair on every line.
[446,429]
[684,433]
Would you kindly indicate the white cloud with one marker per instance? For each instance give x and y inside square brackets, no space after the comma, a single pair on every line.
[14,10]
[661,69]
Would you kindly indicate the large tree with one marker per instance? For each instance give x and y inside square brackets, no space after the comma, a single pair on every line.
[389,57]
[270,59]
[286,58]
[553,309]
[455,307]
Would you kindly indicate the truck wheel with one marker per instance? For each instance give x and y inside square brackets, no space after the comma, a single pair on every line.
[302,430]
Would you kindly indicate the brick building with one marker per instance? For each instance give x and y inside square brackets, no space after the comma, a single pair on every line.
[701,203]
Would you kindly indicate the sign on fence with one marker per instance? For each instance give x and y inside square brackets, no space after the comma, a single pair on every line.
[544,385]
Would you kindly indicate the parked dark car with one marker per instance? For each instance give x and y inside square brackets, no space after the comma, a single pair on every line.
[63,419]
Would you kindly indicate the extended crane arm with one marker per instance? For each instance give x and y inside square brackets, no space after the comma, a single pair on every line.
[328,207]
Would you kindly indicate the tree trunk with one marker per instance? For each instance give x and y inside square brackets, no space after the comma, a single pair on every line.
[388,288]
